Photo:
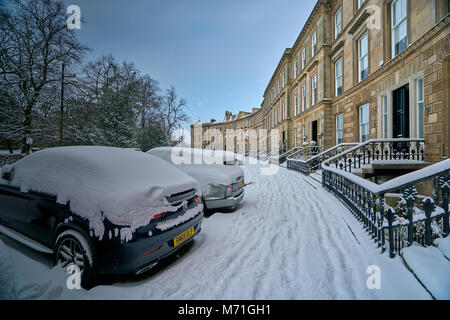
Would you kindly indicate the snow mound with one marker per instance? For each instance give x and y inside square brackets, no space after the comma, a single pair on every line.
[443,245]
[8,290]
[125,186]
[431,267]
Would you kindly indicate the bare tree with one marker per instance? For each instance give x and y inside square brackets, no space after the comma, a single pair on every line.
[149,101]
[34,42]
[172,111]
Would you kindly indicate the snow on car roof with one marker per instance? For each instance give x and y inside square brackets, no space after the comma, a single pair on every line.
[127,187]
[208,173]
[189,155]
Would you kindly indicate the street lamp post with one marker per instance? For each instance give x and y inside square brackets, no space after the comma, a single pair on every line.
[61,115]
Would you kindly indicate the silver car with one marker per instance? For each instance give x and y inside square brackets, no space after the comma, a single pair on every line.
[222,182]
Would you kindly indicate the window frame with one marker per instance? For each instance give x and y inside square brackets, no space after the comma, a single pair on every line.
[304,102]
[398,25]
[361,123]
[336,32]
[303,58]
[314,44]
[362,57]
[314,90]
[339,128]
[341,76]
[360,3]
[420,105]
[384,114]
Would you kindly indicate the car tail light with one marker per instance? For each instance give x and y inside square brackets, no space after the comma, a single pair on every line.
[229,190]
[198,198]
[159,215]
[152,250]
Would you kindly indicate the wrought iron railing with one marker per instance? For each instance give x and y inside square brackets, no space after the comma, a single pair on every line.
[369,202]
[379,150]
[282,157]
[306,152]
[308,165]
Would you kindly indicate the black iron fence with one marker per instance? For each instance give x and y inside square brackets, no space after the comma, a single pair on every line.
[309,160]
[385,150]
[423,218]
[283,156]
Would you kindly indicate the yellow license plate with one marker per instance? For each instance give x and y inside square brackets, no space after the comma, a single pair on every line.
[183,237]
[240,184]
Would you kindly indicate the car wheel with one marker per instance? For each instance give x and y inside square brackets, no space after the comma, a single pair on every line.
[72,248]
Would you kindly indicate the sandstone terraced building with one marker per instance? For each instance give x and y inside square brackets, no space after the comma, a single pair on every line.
[359,70]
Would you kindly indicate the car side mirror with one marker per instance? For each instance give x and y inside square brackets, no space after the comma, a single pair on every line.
[7,172]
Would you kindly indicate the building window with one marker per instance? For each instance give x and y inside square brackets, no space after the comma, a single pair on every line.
[360,3]
[303,58]
[314,89]
[399,36]
[296,102]
[303,98]
[338,23]
[420,109]
[295,136]
[314,43]
[286,75]
[364,123]
[338,76]
[296,67]
[340,129]
[304,133]
[279,113]
[385,117]
[363,57]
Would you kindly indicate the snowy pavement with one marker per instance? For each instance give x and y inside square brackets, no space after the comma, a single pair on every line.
[289,239]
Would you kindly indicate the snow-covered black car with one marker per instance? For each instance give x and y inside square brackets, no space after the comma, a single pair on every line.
[105,210]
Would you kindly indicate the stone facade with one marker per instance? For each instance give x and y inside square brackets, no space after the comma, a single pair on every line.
[303,102]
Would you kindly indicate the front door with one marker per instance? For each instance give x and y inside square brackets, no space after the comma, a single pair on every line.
[314,130]
[400,112]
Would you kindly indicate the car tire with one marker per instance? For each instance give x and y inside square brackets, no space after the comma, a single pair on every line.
[71,247]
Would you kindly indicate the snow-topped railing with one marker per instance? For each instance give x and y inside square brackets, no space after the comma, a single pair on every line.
[305,153]
[380,150]
[284,156]
[369,203]
[308,165]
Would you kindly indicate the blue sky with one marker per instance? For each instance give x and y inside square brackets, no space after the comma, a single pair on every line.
[219,54]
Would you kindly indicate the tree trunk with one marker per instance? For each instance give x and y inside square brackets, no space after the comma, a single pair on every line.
[27,125]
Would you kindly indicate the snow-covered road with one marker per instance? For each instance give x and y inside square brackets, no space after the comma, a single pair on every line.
[289,239]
